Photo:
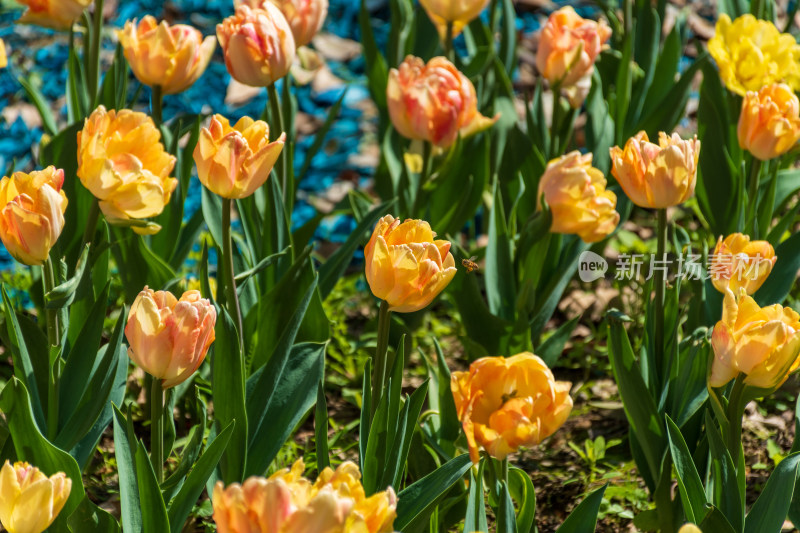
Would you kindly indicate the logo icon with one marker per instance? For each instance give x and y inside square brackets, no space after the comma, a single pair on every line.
[591,266]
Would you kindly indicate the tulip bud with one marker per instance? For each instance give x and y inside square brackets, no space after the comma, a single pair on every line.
[753,53]
[505,403]
[3,57]
[738,263]
[124,165]
[657,175]
[578,199]
[769,125]
[689,528]
[258,45]
[287,502]
[405,265]
[761,342]
[172,57]
[433,102]
[305,17]
[569,46]
[458,13]
[32,213]
[56,14]
[169,338]
[233,162]
[29,500]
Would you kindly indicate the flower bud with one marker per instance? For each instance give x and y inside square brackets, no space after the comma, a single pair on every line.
[657,175]
[172,57]
[169,338]
[56,14]
[405,266]
[305,17]
[258,45]
[739,263]
[769,124]
[32,210]
[29,500]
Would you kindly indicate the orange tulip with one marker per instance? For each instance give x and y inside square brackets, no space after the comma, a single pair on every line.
[657,175]
[258,45]
[761,342]
[405,265]
[169,338]
[32,213]
[123,163]
[505,403]
[769,124]
[29,500]
[57,14]
[458,13]
[433,102]
[172,57]
[569,46]
[738,263]
[304,16]
[233,162]
[288,503]
[578,199]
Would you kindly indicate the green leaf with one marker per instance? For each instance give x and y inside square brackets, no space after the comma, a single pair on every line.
[377,69]
[321,429]
[772,506]
[550,350]
[212,213]
[89,518]
[475,519]
[521,488]
[181,506]
[126,470]
[584,517]
[450,425]
[506,522]
[690,485]
[723,487]
[417,501]
[500,289]
[64,294]
[365,419]
[42,106]
[715,521]
[154,513]
[242,277]
[319,138]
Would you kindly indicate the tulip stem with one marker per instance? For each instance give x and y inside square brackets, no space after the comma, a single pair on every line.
[735,413]
[49,279]
[156,104]
[752,196]
[228,270]
[54,367]
[427,158]
[157,427]
[93,76]
[379,366]
[660,281]
[555,119]
[449,51]
[277,124]
[91,222]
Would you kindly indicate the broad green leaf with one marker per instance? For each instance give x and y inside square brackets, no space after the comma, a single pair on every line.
[521,488]
[690,485]
[126,470]
[506,521]
[321,429]
[583,518]
[550,350]
[89,518]
[154,513]
[715,521]
[475,519]
[772,506]
[499,275]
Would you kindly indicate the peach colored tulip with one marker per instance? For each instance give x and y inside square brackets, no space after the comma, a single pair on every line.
[657,175]
[123,163]
[769,124]
[761,342]
[172,57]
[233,162]
[3,57]
[405,265]
[29,500]
[753,53]
[305,17]
[504,403]
[433,102]
[288,503]
[569,46]
[57,14]
[578,199]
[32,213]
[738,262]
[258,45]
[169,338]
[457,12]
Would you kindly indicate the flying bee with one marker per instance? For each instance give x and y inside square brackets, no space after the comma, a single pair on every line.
[469,264]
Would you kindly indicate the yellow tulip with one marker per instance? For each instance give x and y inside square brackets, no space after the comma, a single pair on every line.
[32,213]
[124,165]
[752,53]
[57,14]
[3,57]
[433,102]
[738,262]
[761,342]
[459,13]
[172,57]
[405,265]
[288,503]
[233,162]
[578,199]
[29,500]
[769,124]
[168,337]
[258,45]
[657,175]
[504,403]
[568,47]
[689,528]
[305,17]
